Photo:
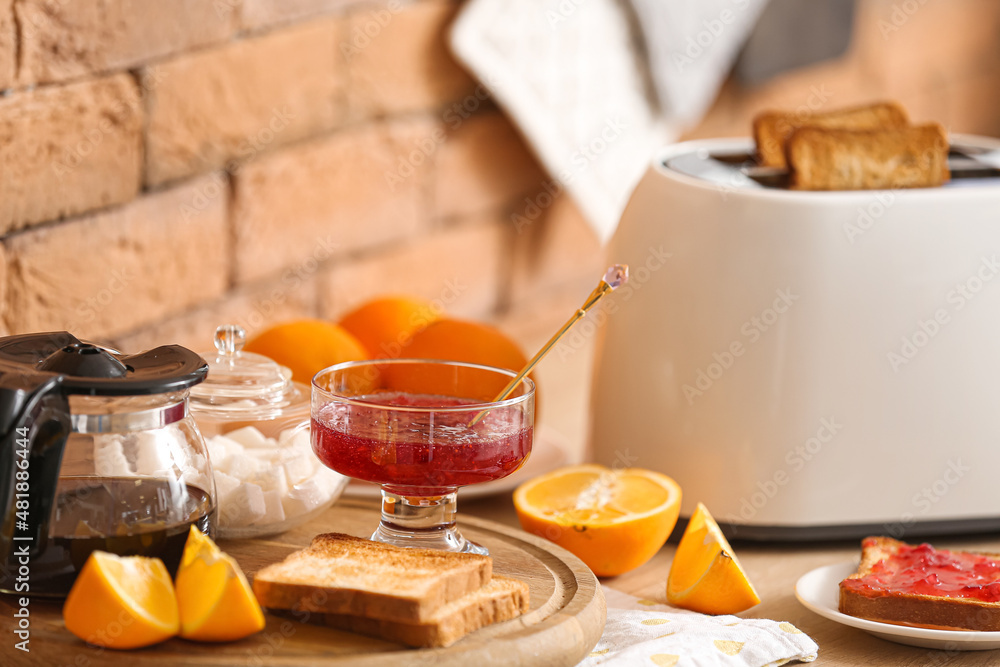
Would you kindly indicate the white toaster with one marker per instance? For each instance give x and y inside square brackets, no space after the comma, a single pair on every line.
[809,365]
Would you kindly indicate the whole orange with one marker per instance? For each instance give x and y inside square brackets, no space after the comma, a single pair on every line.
[307,346]
[471,342]
[461,340]
[384,325]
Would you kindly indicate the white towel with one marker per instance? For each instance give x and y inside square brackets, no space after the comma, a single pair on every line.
[567,75]
[691,48]
[644,632]
[571,76]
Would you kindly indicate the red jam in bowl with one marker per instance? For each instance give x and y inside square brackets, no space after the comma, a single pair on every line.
[924,570]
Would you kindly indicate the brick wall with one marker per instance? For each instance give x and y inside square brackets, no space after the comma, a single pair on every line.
[172,165]
[169,166]
[941,58]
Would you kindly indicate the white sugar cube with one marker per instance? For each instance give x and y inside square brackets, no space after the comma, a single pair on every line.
[109,459]
[249,436]
[195,477]
[224,486]
[196,461]
[152,455]
[272,479]
[243,467]
[273,510]
[244,506]
[304,497]
[265,455]
[262,481]
[302,440]
[232,447]
[218,452]
[298,468]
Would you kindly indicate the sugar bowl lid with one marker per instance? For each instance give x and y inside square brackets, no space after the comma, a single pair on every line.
[242,383]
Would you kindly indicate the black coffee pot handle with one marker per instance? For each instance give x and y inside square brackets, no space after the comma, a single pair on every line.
[34,426]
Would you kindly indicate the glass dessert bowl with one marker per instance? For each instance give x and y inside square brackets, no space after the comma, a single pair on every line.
[421,429]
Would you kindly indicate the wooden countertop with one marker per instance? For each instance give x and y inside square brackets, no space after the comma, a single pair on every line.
[774,569]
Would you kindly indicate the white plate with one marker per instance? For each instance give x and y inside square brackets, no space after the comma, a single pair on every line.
[548,452]
[819,591]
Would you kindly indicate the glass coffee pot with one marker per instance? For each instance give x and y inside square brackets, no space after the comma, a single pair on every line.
[97,451]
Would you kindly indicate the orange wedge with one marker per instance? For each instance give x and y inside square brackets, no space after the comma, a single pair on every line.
[122,602]
[215,600]
[612,520]
[706,575]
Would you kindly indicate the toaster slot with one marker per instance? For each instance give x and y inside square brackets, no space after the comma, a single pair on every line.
[735,168]
[964,162]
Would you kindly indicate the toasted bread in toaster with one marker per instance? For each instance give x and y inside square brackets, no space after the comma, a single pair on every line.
[923,587]
[905,157]
[772,129]
[341,574]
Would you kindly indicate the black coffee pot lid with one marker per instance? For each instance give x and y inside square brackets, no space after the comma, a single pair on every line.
[93,370]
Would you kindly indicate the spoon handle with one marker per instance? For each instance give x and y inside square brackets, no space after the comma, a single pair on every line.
[603,288]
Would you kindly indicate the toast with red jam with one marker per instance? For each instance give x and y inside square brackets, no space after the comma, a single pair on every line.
[924,587]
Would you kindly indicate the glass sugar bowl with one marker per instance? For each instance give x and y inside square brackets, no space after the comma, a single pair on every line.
[255,421]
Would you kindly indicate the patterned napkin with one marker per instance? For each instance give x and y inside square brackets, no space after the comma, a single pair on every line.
[644,632]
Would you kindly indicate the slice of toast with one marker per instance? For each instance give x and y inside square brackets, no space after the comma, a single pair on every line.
[884,587]
[772,129]
[833,159]
[341,574]
[500,600]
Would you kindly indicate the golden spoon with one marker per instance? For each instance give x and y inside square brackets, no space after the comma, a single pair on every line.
[613,278]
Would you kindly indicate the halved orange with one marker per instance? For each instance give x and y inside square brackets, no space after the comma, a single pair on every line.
[613,520]
[215,600]
[705,575]
[122,602]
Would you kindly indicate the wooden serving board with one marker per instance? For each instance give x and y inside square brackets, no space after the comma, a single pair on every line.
[563,624]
